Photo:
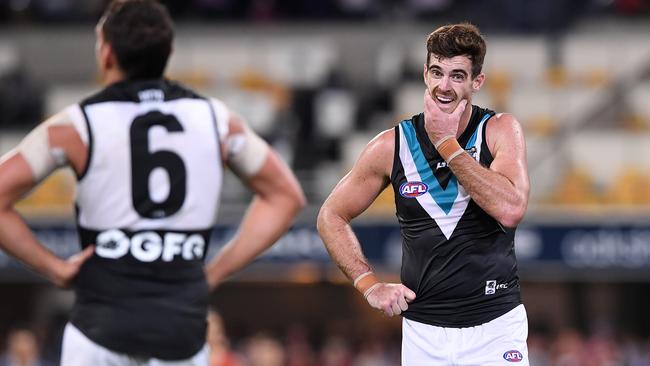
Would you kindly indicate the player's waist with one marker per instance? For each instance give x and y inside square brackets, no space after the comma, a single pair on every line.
[144,329]
[108,281]
[148,310]
[463,312]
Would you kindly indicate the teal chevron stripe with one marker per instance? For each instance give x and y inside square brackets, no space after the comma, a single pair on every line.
[472,140]
[444,198]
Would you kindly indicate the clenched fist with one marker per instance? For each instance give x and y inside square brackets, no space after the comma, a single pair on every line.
[391,298]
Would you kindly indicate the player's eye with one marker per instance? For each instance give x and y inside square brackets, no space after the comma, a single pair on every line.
[436,73]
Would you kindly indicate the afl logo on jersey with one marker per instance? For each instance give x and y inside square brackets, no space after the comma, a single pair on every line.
[413,189]
[513,356]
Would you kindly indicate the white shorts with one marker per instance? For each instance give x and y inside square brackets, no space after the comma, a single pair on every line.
[501,341]
[78,350]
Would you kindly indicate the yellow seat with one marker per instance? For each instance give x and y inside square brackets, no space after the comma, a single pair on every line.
[596,78]
[635,122]
[576,188]
[53,196]
[199,79]
[630,189]
[556,77]
[543,125]
[384,205]
[254,81]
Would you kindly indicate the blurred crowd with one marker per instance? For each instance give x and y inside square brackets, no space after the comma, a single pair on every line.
[296,347]
[565,348]
[22,349]
[570,347]
[511,14]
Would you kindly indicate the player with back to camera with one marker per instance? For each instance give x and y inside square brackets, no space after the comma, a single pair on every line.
[461,187]
[149,157]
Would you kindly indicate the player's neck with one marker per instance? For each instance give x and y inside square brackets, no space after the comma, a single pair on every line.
[112,76]
[464,119]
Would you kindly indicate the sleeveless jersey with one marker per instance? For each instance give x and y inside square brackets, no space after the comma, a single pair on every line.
[148,201]
[458,259]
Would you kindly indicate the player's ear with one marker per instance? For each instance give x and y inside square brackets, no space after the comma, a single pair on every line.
[478,81]
[108,56]
[103,49]
[424,75]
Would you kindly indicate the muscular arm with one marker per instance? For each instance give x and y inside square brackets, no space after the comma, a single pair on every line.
[15,237]
[501,190]
[278,199]
[351,196]
[17,177]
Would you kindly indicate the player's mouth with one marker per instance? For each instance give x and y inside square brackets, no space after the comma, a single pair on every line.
[444,99]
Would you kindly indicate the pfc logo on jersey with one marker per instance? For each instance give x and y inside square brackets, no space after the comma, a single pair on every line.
[490,287]
[413,189]
[513,356]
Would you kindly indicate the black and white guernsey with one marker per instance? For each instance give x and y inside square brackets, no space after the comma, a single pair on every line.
[148,201]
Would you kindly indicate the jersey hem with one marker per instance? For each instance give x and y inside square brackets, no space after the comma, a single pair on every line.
[130,350]
[480,321]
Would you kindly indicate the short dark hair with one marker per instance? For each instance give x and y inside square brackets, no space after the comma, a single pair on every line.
[463,39]
[141,34]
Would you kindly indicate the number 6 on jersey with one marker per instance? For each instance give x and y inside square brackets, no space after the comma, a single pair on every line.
[143,163]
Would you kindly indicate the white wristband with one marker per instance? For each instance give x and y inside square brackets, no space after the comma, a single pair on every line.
[455,154]
[443,139]
[360,277]
[370,289]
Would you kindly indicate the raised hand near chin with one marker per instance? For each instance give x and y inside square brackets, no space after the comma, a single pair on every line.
[438,123]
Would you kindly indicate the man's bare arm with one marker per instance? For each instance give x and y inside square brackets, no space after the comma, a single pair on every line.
[17,177]
[352,196]
[278,199]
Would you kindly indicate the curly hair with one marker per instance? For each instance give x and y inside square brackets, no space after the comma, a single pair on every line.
[463,39]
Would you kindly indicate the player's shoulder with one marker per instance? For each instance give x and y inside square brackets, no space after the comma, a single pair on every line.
[503,124]
[384,140]
[504,120]
[380,149]
[377,155]
[68,116]
[503,128]
[221,106]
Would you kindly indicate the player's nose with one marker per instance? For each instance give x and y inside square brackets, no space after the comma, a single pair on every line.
[444,85]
